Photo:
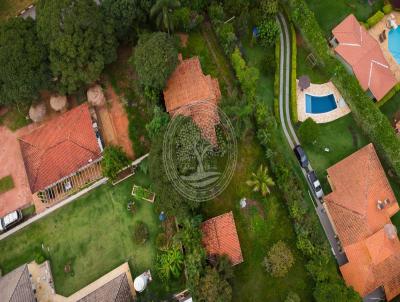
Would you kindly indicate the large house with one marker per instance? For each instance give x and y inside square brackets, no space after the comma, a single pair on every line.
[220,238]
[34,283]
[62,155]
[191,93]
[364,56]
[360,207]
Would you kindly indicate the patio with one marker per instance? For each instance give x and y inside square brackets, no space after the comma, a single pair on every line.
[375,31]
[320,90]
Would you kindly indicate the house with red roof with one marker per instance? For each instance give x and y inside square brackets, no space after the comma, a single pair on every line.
[357,48]
[62,155]
[220,238]
[191,93]
[360,207]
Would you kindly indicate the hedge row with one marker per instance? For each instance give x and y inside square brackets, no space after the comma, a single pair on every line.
[368,116]
[329,286]
[277,78]
[378,16]
[293,83]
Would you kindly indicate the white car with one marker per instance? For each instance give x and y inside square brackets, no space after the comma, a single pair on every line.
[9,220]
[316,185]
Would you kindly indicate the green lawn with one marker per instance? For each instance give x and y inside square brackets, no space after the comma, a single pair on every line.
[94,233]
[6,184]
[330,13]
[343,137]
[10,8]
[258,229]
[391,107]
[317,74]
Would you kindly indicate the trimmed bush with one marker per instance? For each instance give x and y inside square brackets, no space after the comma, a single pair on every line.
[293,83]
[378,16]
[279,260]
[387,9]
[140,232]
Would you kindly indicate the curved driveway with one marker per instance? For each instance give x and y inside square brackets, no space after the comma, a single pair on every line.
[290,134]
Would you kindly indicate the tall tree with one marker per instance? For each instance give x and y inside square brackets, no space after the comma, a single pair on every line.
[80,40]
[23,59]
[154,59]
[162,10]
[261,181]
[126,15]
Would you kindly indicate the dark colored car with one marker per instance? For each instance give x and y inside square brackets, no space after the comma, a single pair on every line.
[315,184]
[301,156]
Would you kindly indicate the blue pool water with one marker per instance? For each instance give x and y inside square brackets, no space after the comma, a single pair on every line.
[320,104]
[394,43]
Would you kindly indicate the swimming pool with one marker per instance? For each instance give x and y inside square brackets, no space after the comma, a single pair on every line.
[320,104]
[394,43]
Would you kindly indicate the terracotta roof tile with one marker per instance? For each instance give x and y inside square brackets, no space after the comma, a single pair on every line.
[220,237]
[358,182]
[188,86]
[59,148]
[363,53]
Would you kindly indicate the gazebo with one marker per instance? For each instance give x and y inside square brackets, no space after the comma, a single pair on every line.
[37,112]
[58,102]
[96,96]
[304,82]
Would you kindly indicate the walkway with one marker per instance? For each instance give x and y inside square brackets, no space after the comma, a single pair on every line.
[291,137]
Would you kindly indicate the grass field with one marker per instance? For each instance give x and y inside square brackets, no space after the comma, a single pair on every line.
[6,184]
[316,74]
[330,13]
[94,233]
[10,8]
[343,137]
[259,227]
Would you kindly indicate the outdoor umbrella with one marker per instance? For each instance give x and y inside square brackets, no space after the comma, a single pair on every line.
[304,82]
[95,96]
[37,112]
[58,102]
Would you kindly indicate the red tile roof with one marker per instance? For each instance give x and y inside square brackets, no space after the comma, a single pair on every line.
[220,237]
[59,148]
[358,183]
[363,53]
[188,86]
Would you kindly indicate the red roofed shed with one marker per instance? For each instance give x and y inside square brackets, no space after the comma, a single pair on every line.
[220,237]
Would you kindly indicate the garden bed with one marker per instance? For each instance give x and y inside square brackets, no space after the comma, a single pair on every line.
[141,193]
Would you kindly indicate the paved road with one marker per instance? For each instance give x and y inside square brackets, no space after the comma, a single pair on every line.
[290,134]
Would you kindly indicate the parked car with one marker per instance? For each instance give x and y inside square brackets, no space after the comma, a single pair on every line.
[10,220]
[316,185]
[301,156]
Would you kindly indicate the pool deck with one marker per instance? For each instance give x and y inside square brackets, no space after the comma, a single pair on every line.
[321,90]
[375,31]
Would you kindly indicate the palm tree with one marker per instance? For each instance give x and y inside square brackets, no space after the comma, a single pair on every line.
[261,181]
[162,11]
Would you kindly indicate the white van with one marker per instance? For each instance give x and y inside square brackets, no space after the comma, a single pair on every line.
[9,220]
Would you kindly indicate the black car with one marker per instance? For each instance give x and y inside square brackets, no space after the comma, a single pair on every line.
[301,156]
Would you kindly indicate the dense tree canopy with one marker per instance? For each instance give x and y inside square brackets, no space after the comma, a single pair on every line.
[154,60]
[23,60]
[80,40]
[126,15]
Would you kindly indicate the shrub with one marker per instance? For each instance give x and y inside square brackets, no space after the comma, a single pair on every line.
[181,18]
[268,31]
[378,16]
[162,242]
[389,95]
[216,13]
[292,297]
[279,260]
[114,159]
[140,232]
[308,131]
[170,264]
[226,37]
[247,76]
[387,9]
[39,258]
